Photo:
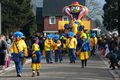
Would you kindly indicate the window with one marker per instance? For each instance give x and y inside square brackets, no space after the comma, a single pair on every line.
[52,20]
[65,18]
[39,3]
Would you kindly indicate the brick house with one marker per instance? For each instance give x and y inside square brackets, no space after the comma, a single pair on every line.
[52,13]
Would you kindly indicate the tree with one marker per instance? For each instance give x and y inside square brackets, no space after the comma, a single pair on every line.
[95,9]
[111,15]
[18,15]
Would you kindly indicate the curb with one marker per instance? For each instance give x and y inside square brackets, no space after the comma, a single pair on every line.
[12,67]
[114,73]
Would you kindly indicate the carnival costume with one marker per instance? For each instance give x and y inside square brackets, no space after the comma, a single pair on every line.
[19,51]
[57,48]
[36,58]
[71,44]
[48,46]
[83,47]
[93,43]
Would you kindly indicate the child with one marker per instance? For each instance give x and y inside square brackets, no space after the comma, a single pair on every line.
[36,58]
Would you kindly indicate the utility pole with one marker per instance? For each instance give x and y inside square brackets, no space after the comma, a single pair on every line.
[0,17]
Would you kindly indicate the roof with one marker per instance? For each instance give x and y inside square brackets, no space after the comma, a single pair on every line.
[54,7]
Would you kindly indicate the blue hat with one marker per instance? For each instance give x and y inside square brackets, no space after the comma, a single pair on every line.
[71,34]
[80,28]
[18,34]
[93,35]
[49,36]
[56,36]
[63,34]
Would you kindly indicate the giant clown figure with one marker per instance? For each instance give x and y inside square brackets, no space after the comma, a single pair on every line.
[75,11]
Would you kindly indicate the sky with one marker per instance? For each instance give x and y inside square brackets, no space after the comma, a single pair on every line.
[101,2]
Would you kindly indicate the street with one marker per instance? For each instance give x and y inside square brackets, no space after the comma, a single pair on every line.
[95,70]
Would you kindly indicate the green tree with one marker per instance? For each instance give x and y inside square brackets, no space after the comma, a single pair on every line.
[111,15]
[18,15]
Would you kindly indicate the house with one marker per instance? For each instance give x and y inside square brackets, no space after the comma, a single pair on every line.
[52,13]
[37,10]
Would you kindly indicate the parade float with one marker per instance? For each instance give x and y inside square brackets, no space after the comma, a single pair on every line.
[75,12]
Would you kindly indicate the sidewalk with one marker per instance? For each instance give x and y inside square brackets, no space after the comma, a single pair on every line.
[12,66]
[115,73]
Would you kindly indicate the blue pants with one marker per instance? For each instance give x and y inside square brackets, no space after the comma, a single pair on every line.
[72,55]
[49,56]
[19,66]
[58,54]
[38,57]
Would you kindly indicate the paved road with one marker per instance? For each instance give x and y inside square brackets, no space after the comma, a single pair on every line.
[95,70]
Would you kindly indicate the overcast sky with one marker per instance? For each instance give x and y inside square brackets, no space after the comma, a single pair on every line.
[101,2]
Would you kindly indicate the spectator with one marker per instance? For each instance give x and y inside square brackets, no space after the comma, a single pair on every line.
[3,48]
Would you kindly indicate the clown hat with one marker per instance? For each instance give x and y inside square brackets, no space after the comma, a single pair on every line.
[18,34]
[75,3]
[56,36]
[49,36]
[70,34]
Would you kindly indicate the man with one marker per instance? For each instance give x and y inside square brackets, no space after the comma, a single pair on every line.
[83,47]
[48,46]
[93,43]
[71,43]
[19,52]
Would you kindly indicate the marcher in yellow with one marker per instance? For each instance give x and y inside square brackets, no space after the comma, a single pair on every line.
[83,47]
[19,52]
[63,43]
[57,48]
[48,46]
[93,43]
[36,58]
[71,43]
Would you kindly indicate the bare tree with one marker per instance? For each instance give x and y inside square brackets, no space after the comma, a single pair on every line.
[94,7]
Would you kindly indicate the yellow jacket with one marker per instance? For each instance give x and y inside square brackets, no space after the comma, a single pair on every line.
[48,44]
[93,41]
[71,43]
[19,46]
[35,47]
[58,44]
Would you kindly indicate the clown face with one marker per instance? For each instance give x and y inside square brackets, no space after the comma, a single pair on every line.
[75,9]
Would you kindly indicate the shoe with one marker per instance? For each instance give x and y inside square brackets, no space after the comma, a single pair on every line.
[51,62]
[18,75]
[70,62]
[118,67]
[74,62]
[82,67]
[38,74]
[113,69]
[61,62]
[33,75]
